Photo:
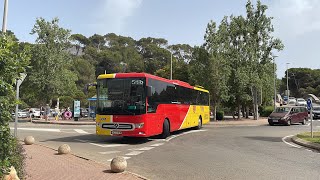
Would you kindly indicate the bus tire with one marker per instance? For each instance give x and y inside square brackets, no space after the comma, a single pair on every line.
[199,123]
[165,129]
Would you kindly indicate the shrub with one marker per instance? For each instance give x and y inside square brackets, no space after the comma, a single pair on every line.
[220,115]
[266,111]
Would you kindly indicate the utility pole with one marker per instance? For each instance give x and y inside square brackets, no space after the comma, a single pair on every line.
[274,83]
[5,14]
[288,94]
[171,67]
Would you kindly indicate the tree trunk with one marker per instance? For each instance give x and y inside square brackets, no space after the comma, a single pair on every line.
[214,112]
[247,112]
[239,111]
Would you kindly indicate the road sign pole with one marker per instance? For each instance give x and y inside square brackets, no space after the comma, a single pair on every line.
[311,114]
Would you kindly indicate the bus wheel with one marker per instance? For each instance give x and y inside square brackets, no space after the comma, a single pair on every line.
[199,124]
[165,129]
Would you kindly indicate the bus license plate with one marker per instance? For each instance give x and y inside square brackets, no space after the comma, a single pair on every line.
[116,132]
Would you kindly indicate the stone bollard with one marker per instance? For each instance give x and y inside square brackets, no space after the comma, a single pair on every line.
[29,140]
[64,149]
[118,164]
[12,175]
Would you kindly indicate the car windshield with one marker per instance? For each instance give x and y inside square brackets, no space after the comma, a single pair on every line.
[125,96]
[316,108]
[300,100]
[282,109]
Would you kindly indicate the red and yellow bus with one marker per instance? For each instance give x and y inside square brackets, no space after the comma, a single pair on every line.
[144,105]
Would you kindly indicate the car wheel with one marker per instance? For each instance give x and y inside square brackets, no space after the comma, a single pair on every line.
[165,129]
[32,116]
[289,123]
[271,124]
[304,121]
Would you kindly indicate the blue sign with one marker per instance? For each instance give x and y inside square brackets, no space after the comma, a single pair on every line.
[309,104]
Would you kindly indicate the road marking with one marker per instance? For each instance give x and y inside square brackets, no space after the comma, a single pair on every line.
[158,144]
[134,153]
[290,144]
[81,131]
[109,152]
[101,145]
[39,129]
[188,132]
[126,158]
[145,149]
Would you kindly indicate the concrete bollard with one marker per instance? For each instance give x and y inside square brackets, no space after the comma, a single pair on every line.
[118,164]
[29,140]
[64,149]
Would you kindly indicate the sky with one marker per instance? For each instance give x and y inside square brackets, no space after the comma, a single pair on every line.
[296,22]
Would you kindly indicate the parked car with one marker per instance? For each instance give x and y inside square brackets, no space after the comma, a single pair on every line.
[84,112]
[288,115]
[316,112]
[21,114]
[35,112]
[301,102]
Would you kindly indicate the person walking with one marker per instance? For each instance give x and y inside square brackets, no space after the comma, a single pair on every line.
[46,112]
[57,113]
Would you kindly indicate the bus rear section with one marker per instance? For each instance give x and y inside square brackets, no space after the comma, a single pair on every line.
[142,105]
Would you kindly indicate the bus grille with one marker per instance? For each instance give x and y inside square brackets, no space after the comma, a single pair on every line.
[117,126]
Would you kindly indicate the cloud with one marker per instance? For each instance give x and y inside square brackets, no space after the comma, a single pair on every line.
[294,18]
[113,14]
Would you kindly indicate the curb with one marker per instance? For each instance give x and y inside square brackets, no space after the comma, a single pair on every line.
[63,123]
[304,143]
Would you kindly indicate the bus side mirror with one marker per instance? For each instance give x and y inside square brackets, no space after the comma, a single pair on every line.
[149,91]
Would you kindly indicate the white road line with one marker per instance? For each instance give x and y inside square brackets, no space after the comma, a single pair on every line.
[188,132]
[290,144]
[109,152]
[126,158]
[81,131]
[145,149]
[101,145]
[134,153]
[158,144]
[39,129]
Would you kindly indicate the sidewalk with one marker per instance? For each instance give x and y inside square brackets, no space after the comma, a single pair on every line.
[66,122]
[240,122]
[45,163]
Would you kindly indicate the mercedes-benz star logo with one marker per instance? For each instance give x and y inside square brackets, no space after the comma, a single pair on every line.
[116,125]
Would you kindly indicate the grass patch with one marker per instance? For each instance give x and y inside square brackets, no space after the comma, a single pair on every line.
[307,136]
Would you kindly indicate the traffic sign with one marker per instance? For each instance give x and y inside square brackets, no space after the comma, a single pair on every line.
[309,104]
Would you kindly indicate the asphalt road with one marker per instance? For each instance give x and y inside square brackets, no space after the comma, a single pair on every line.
[252,152]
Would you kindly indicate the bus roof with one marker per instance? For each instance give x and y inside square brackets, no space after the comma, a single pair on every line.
[146,75]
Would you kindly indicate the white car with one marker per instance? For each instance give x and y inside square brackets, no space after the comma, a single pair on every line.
[301,102]
[21,114]
[35,112]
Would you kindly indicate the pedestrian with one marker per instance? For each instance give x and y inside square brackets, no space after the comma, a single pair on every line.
[30,114]
[57,112]
[41,112]
[46,112]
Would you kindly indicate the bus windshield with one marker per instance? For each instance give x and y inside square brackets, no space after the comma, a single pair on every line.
[121,96]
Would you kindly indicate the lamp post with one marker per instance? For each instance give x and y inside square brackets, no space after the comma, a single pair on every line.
[171,67]
[5,13]
[288,94]
[274,83]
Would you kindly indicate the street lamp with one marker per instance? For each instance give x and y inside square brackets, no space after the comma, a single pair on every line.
[171,67]
[288,94]
[274,83]
[5,13]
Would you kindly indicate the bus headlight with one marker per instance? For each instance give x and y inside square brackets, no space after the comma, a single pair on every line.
[139,125]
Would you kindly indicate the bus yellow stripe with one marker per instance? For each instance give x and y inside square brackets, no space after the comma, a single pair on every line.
[105,76]
[199,89]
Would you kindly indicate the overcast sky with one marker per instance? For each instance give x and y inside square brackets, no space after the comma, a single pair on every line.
[296,22]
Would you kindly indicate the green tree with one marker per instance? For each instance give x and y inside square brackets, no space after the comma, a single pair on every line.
[13,61]
[50,75]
